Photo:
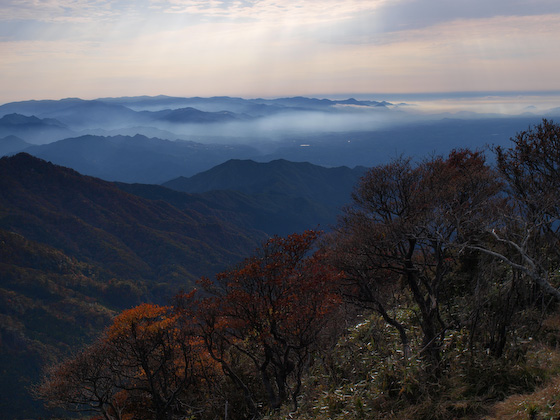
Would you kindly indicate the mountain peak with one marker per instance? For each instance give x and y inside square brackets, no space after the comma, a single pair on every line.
[19,119]
[22,164]
[12,144]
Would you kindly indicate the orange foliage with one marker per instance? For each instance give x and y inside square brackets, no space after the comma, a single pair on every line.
[146,319]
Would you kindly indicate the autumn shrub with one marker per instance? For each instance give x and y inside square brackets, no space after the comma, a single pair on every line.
[270,312]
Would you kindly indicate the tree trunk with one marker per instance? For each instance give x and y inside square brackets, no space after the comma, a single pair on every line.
[273,401]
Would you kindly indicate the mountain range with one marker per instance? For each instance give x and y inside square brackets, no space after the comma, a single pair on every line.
[278,197]
[109,113]
[136,159]
[156,139]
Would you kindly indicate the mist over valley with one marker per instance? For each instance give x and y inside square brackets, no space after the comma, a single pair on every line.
[155,139]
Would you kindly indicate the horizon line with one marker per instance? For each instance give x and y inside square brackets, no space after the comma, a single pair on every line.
[335,96]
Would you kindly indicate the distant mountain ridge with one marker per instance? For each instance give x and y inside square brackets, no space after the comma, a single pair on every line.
[100,137]
[258,106]
[330,185]
[22,120]
[136,158]
[223,120]
[116,112]
[12,144]
[193,115]
[35,130]
[279,196]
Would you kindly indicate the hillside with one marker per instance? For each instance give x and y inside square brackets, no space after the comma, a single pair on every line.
[279,197]
[50,304]
[75,249]
[12,144]
[273,214]
[136,158]
[328,185]
[93,219]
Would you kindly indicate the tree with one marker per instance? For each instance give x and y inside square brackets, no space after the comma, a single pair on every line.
[142,365]
[402,230]
[527,234]
[270,311]
[157,359]
[84,383]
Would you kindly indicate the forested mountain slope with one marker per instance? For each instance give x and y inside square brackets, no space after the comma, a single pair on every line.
[50,304]
[74,249]
[94,220]
[279,197]
[435,297]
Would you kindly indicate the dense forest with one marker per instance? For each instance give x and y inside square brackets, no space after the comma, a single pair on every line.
[434,297]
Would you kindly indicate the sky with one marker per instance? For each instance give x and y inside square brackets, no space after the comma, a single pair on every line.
[52,49]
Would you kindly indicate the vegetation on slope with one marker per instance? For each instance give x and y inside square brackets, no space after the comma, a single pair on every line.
[131,237]
[50,303]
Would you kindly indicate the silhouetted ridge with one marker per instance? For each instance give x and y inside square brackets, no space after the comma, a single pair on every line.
[279,197]
[327,185]
[12,144]
[136,158]
[32,128]
[193,115]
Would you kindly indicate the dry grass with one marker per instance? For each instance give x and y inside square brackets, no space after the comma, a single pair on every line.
[541,404]
[544,402]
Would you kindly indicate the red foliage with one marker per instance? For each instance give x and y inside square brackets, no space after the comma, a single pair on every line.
[272,309]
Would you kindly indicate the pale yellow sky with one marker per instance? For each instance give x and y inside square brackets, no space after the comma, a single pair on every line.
[52,49]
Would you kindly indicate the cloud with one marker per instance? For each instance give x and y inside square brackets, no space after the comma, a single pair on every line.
[417,14]
[232,10]
[269,10]
[326,21]
[55,10]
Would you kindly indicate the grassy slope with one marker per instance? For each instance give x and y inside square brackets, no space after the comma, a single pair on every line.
[362,379]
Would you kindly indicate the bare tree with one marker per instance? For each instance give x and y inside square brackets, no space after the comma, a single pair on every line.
[526,235]
[402,229]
